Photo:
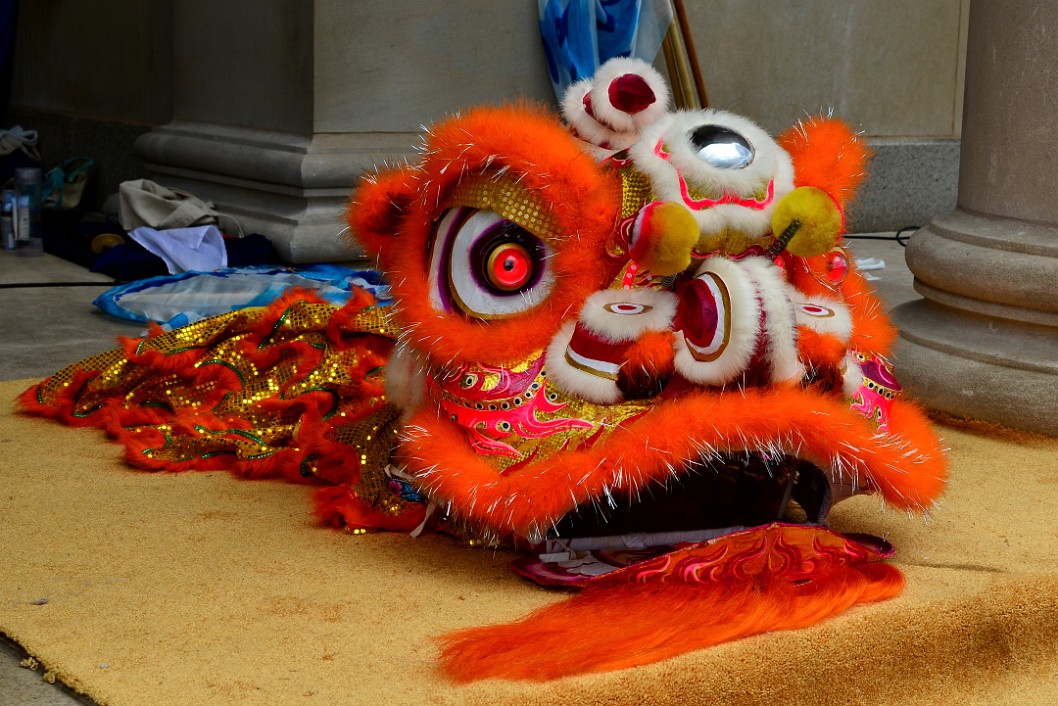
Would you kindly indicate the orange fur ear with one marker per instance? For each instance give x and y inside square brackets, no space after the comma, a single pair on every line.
[828,155]
[376,207]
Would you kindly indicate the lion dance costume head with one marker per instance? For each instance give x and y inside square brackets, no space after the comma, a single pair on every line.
[634,347]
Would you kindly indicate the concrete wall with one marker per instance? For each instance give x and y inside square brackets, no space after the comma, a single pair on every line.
[244,63]
[424,60]
[90,77]
[337,66]
[110,60]
[894,68]
[383,67]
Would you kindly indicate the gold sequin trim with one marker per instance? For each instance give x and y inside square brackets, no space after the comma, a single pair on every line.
[505,195]
[635,192]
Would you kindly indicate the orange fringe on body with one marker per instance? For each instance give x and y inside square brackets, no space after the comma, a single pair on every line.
[871,329]
[339,507]
[817,349]
[828,155]
[629,625]
[375,209]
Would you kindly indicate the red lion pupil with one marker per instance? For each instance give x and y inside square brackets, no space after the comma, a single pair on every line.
[510,266]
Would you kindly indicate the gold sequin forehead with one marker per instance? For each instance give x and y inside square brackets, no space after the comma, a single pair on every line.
[507,196]
[635,192]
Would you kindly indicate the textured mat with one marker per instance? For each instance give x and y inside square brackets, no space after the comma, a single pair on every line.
[138,588]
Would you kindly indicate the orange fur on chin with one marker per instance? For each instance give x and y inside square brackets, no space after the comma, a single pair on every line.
[908,468]
[648,364]
[818,349]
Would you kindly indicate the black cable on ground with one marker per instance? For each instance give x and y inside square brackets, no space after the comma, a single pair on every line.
[898,236]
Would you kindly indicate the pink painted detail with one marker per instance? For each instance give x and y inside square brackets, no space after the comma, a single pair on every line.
[796,552]
[472,383]
[629,280]
[878,388]
[509,406]
[728,198]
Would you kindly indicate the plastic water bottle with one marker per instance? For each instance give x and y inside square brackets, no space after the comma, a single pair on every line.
[27,212]
[8,241]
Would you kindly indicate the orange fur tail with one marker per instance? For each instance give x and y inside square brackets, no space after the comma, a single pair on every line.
[604,629]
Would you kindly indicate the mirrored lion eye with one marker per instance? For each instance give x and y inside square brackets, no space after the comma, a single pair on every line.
[721,147]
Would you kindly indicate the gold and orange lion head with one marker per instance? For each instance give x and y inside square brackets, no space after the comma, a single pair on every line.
[632,345]
[585,340]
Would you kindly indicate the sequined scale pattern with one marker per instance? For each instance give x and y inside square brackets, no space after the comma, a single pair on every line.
[292,391]
[507,197]
[635,191]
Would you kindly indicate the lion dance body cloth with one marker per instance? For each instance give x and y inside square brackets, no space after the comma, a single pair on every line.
[629,345]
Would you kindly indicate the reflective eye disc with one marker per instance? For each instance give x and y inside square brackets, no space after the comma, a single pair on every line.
[721,147]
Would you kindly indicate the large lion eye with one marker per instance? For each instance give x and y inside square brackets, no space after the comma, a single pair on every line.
[721,147]
[486,266]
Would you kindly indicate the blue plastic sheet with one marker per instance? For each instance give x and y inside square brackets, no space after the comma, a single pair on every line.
[177,300]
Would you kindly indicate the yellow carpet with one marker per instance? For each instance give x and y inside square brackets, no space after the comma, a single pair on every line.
[138,588]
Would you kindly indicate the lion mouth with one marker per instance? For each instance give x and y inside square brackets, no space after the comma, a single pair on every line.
[708,500]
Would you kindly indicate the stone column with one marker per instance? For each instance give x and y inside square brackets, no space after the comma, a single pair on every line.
[280,105]
[983,344]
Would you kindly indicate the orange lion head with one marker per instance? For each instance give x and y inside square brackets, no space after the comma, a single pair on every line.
[619,343]
[637,347]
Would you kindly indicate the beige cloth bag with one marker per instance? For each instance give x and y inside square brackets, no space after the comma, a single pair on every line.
[142,202]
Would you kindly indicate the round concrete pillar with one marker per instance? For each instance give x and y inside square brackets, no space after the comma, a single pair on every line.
[983,343]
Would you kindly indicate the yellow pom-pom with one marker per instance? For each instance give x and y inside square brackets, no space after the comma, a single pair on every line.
[817,217]
[665,234]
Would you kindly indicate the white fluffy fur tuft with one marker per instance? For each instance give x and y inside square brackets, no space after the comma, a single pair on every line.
[770,162]
[779,321]
[405,380]
[742,336]
[620,121]
[852,376]
[588,128]
[823,314]
[602,313]
[606,126]
[575,381]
